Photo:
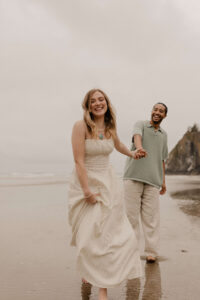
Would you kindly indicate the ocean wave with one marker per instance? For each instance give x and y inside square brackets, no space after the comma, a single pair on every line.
[21,179]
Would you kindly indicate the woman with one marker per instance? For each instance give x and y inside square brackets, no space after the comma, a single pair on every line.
[106,243]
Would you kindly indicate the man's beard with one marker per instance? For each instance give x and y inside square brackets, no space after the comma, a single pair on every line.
[156,122]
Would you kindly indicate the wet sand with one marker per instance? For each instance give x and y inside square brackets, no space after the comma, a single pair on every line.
[37,262]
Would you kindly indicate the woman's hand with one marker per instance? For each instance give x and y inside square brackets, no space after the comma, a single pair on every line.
[91,198]
[139,153]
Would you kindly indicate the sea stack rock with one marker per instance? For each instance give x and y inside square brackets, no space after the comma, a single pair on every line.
[185,157]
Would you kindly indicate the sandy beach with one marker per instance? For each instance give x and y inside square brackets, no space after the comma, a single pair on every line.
[37,262]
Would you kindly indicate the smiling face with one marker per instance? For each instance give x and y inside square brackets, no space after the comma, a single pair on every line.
[158,114]
[98,104]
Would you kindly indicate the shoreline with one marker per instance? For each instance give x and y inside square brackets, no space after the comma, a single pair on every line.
[34,179]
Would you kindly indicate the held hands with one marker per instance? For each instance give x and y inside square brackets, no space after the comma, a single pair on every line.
[139,153]
[91,198]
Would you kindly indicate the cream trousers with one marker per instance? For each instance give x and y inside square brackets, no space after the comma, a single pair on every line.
[142,201]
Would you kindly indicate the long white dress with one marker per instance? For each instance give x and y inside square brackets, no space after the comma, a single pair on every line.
[106,243]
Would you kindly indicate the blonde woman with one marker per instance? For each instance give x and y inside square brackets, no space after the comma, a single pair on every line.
[107,251]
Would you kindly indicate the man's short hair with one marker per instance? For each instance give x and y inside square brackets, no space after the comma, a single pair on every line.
[165,106]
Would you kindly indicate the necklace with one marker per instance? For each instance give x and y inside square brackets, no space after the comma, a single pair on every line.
[101,133]
[101,136]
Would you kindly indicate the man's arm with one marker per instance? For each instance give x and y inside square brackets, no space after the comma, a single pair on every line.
[138,141]
[163,189]
[120,147]
[137,138]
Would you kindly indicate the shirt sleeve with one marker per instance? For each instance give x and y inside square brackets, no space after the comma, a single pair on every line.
[138,128]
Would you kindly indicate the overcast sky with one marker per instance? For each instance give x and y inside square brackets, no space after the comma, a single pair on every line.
[53,52]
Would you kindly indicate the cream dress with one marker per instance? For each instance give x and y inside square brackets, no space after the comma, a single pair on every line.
[106,243]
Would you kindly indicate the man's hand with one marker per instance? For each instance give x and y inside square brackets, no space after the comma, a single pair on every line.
[163,189]
[139,153]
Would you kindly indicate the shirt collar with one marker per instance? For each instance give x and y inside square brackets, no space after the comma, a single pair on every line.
[149,125]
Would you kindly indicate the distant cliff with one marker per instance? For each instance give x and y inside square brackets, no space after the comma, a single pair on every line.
[185,157]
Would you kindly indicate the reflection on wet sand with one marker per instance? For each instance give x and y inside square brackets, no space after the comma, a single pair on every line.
[152,288]
[191,208]
[86,291]
[190,201]
[133,289]
[192,194]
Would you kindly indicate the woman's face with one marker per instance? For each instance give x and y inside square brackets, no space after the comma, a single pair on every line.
[98,104]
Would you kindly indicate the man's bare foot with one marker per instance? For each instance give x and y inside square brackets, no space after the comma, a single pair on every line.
[84,281]
[103,294]
[150,259]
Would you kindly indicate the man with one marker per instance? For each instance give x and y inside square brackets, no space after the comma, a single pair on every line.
[144,179]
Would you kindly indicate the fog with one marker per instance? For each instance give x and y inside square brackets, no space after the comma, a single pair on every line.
[53,52]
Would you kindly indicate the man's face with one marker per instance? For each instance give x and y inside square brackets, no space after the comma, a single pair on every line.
[158,113]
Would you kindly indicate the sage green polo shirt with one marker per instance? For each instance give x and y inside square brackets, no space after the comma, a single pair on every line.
[149,169]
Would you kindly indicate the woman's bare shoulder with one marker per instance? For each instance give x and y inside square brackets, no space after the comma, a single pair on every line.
[79,128]
[79,125]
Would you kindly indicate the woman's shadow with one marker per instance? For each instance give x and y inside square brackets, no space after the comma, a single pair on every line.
[86,291]
[152,287]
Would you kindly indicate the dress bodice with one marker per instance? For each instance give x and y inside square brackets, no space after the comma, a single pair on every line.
[97,153]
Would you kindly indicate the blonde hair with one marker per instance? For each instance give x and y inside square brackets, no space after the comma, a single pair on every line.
[109,118]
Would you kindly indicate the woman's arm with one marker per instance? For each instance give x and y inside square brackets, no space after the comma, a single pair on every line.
[120,147]
[78,145]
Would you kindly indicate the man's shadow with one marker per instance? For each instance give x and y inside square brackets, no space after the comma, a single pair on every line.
[152,288]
